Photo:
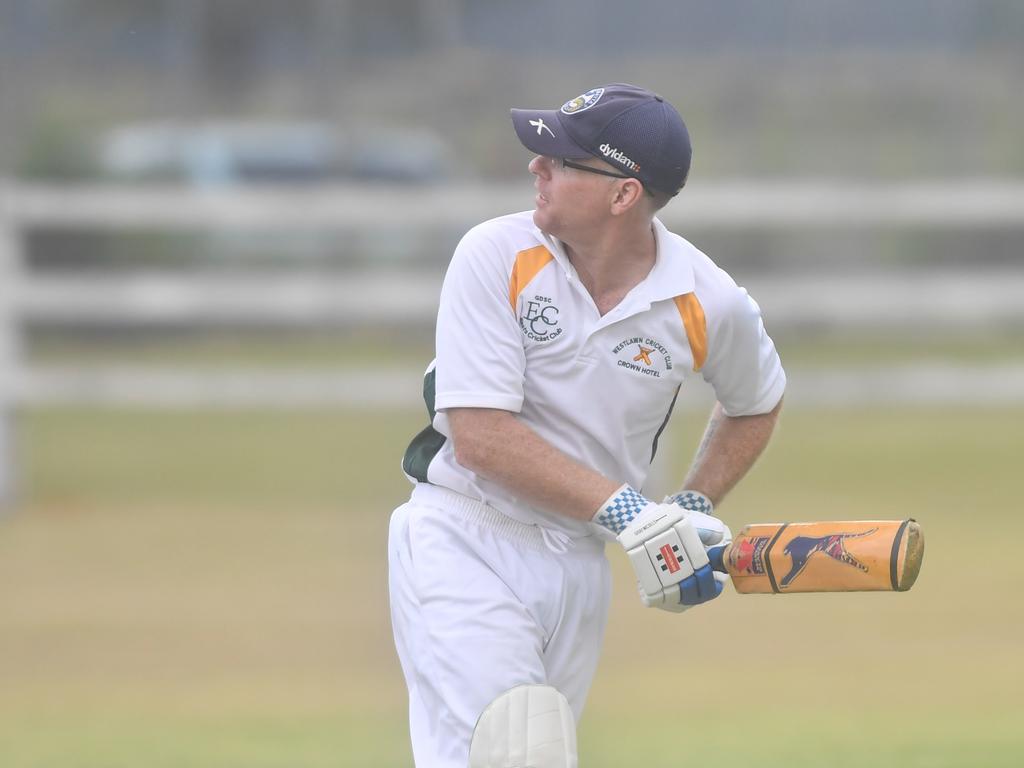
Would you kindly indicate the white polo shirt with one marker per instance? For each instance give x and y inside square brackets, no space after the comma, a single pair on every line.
[517,331]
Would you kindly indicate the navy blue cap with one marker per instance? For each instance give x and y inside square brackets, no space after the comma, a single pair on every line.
[628,127]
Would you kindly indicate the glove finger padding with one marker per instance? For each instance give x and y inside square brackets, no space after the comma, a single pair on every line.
[666,599]
[702,586]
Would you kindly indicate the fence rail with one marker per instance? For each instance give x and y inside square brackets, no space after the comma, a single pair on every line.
[780,204]
[938,300]
[911,385]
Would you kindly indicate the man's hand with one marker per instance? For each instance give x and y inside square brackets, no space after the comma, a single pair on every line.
[664,548]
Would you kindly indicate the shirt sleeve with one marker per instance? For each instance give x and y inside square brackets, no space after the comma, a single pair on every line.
[480,356]
[743,366]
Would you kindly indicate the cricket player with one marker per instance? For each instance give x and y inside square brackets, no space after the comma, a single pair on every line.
[564,335]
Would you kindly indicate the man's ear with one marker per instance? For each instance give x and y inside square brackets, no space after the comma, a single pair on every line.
[626,195]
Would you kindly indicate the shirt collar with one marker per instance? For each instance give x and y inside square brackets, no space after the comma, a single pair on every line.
[671,276]
[554,245]
[673,271]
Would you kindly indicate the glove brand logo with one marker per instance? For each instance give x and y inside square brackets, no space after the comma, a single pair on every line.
[803,547]
[582,102]
[612,153]
[643,355]
[539,320]
[668,557]
[648,525]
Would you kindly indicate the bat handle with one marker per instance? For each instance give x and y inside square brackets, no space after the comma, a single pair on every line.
[717,557]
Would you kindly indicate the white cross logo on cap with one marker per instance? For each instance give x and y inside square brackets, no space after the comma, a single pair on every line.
[539,125]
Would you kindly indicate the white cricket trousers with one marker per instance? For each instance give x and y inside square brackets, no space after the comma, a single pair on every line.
[481,603]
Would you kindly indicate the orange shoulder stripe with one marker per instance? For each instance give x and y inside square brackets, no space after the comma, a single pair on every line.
[528,264]
[696,326]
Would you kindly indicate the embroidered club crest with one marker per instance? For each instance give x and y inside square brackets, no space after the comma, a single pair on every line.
[582,102]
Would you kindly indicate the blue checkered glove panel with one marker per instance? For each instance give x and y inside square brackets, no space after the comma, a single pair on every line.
[620,509]
[693,501]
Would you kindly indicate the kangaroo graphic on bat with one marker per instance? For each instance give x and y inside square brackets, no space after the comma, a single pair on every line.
[803,547]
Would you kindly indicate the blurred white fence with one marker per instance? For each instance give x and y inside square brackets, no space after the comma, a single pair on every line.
[282,298]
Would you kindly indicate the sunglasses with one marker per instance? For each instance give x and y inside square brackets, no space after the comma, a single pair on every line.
[587,169]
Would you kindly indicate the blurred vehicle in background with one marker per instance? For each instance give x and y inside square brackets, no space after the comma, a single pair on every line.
[213,154]
[400,155]
[209,154]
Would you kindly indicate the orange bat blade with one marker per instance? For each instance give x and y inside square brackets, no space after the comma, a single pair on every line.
[840,556]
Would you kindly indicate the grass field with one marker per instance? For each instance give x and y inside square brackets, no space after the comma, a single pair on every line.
[207,589]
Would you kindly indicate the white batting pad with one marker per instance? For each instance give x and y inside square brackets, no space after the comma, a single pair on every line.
[529,726]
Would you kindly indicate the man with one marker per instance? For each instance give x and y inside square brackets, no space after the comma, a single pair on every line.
[563,337]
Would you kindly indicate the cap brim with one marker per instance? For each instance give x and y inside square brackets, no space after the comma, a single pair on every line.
[541,131]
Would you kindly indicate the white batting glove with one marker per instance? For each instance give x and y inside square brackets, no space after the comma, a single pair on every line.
[712,531]
[664,549]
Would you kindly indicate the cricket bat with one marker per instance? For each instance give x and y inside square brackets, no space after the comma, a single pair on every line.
[839,556]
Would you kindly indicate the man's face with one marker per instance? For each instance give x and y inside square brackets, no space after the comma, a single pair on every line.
[570,201]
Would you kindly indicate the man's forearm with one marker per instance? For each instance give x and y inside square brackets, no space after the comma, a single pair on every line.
[499,447]
[729,448]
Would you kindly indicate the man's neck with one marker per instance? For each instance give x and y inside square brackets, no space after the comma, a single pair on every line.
[610,267]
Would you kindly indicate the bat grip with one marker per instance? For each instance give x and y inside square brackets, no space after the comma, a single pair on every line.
[717,557]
